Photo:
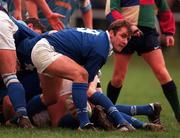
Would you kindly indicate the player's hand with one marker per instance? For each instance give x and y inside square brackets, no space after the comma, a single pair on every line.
[17,15]
[169,40]
[55,22]
[136,31]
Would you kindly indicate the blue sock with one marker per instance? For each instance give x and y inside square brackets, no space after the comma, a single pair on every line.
[135,110]
[16,94]
[99,98]
[79,96]
[35,105]
[133,121]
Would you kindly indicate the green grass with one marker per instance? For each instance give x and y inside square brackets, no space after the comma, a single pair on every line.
[140,87]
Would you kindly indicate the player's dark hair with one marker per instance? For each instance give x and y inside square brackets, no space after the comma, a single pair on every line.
[36,23]
[118,24]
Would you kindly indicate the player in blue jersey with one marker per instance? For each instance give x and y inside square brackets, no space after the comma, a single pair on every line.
[8,68]
[77,54]
[58,12]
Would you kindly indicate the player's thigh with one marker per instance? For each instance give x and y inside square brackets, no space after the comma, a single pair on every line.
[7,61]
[65,67]
[155,59]
[7,29]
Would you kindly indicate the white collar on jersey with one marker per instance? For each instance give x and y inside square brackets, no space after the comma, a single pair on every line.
[110,44]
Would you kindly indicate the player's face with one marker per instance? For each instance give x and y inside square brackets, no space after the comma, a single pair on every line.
[37,30]
[120,39]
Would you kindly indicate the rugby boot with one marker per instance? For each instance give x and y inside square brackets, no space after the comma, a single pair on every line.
[155,117]
[22,121]
[88,126]
[154,127]
[100,119]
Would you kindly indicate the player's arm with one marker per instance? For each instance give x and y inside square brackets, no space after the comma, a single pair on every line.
[166,21]
[86,9]
[18,8]
[53,18]
[32,9]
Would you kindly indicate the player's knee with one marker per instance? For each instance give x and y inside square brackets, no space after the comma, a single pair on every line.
[9,78]
[162,75]
[81,75]
[117,80]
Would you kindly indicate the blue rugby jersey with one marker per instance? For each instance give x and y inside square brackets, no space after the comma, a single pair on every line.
[89,48]
[25,39]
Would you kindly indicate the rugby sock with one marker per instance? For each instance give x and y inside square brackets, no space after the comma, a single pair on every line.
[35,105]
[170,92]
[135,110]
[16,94]
[99,98]
[113,92]
[133,121]
[79,95]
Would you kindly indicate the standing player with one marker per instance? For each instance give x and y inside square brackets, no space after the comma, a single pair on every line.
[8,67]
[58,12]
[142,13]
[25,39]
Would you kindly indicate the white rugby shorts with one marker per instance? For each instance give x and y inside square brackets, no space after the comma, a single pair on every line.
[43,54]
[7,29]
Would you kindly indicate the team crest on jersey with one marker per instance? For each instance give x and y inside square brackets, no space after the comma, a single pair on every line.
[29,67]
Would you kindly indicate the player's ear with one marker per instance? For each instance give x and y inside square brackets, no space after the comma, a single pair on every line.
[111,33]
[30,25]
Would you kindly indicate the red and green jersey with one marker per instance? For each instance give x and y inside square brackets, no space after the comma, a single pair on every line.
[142,13]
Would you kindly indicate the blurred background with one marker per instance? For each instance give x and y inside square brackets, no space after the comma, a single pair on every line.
[100,22]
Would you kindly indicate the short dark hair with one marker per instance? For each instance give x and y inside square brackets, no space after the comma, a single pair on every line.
[118,24]
[36,23]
